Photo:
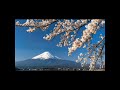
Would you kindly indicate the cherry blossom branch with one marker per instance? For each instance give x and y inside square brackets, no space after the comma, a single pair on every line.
[43,25]
[91,29]
[96,55]
[70,27]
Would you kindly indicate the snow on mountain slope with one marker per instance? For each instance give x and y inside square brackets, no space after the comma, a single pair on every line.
[45,55]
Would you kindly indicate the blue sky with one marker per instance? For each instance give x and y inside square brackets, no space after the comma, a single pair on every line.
[28,45]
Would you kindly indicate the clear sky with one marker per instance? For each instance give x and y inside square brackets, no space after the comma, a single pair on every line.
[28,45]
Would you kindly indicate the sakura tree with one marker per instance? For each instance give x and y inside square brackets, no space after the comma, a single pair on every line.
[68,29]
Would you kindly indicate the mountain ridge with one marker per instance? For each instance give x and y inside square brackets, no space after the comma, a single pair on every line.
[46,60]
[47,63]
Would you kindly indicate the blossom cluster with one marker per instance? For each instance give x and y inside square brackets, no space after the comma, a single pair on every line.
[96,53]
[91,28]
[43,24]
[82,59]
[66,26]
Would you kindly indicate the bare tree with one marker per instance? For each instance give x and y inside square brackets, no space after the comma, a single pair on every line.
[68,28]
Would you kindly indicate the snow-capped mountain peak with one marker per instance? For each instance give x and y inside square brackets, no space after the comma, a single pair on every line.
[45,55]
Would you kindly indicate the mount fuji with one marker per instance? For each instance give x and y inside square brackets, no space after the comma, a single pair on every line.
[46,60]
[45,55]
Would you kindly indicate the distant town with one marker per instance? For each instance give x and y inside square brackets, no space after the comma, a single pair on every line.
[57,69]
